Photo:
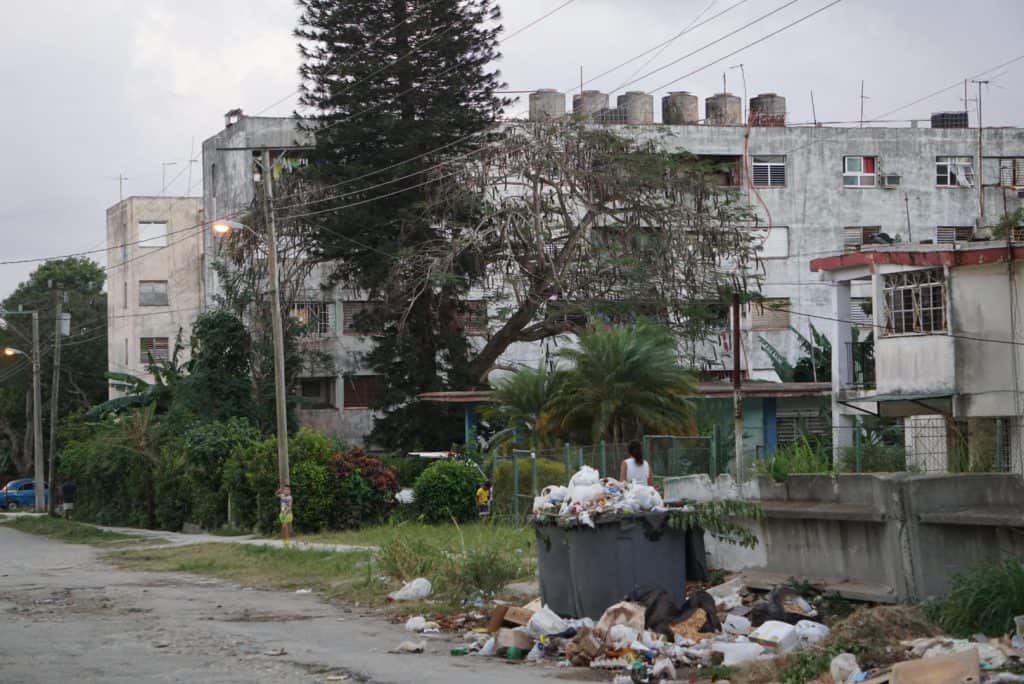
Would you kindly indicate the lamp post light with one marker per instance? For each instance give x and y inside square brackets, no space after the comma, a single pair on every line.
[223,229]
[37,409]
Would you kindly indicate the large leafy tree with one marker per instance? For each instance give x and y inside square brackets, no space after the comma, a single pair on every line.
[625,381]
[83,355]
[397,87]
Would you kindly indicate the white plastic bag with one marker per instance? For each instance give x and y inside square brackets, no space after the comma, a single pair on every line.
[585,476]
[555,493]
[536,653]
[646,498]
[621,636]
[545,622]
[585,494]
[417,589]
[489,648]
[416,623]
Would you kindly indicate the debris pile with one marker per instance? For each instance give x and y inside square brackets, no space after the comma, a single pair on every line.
[589,497]
[647,637]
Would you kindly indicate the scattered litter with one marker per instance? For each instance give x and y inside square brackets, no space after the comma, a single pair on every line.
[459,651]
[690,628]
[624,613]
[663,669]
[536,653]
[584,647]
[489,648]
[1005,678]
[943,669]
[545,622]
[728,594]
[509,638]
[737,653]
[588,496]
[416,624]
[405,496]
[781,636]
[736,624]
[991,656]
[514,653]
[811,632]
[621,635]
[411,647]
[844,668]
[417,589]
[336,678]
[610,663]
[303,591]
[277,652]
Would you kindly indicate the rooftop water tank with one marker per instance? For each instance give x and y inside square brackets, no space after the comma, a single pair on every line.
[589,102]
[768,109]
[680,108]
[723,109]
[637,107]
[547,104]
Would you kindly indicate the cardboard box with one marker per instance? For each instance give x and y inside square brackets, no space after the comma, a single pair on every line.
[506,638]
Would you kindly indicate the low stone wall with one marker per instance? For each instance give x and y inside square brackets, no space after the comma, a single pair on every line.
[883,537]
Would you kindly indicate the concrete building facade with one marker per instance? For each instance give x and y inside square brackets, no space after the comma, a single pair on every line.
[154,283]
[948,355]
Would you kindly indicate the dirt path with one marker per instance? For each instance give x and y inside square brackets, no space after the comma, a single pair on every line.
[65,615]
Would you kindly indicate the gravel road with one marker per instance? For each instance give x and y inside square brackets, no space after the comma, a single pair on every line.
[66,616]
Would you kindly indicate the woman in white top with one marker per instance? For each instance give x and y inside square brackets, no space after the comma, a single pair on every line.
[635,469]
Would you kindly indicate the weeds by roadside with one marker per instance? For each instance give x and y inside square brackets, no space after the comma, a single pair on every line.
[70,531]
[985,600]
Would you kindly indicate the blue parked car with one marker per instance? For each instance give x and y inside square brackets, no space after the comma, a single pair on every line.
[20,494]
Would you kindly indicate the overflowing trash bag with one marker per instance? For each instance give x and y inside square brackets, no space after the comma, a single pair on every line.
[589,496]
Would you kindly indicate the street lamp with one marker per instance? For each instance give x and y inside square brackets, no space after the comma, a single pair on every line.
[37,406]
[223,229]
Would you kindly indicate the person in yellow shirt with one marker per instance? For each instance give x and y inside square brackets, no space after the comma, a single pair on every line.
[483,499]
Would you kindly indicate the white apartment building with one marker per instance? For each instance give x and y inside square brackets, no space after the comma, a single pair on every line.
[154,284]
[817,190]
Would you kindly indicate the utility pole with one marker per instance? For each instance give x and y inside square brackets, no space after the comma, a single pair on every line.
[737,391]
[37,418]
[58,333]
[163,175]
[979,176]
[862,98]
[120,178]
[814,112]
[275,319]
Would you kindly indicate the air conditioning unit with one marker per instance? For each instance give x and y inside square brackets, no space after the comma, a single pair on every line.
[891,181]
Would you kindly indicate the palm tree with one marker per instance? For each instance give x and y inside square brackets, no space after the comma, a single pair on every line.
[523,400]
[626,381]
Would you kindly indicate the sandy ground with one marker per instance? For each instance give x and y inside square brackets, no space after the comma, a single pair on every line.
[66,616]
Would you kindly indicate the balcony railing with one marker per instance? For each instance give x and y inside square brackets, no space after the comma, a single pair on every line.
[861,357]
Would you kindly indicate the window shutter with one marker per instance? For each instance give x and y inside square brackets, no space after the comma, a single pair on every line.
[1018,172]
[853,238]
[778,174]
[858,316]
[761,174]
[1006,172]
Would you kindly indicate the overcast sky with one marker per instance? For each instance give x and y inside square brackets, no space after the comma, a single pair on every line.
[97,88]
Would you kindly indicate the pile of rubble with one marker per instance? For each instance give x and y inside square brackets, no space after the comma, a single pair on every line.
[647,637]
[589,497]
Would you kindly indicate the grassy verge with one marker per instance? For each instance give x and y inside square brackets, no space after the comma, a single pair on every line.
[464,563]
[71,532]
[337,575]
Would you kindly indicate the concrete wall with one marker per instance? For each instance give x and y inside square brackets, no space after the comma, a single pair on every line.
[890,537]
[989,375]
[179,264]
[912,364]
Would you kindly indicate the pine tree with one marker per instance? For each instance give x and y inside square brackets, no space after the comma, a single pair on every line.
[396,87]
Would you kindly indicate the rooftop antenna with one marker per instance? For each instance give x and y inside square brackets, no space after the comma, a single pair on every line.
[743,75]
[814,112]
[192,159]
[120,178]
[163,175]
[862,98]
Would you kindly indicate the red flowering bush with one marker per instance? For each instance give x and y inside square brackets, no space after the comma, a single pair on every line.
[363,489]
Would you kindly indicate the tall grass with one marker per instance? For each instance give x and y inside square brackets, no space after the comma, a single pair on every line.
[805,455]
[985,599]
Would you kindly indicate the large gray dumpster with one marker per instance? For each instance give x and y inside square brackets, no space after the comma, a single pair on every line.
[584,570]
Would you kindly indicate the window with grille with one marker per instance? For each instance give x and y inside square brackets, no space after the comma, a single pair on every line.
[855,237]
[770,314]
[363,391]
[951,172]
[317,393]
[474,317]
[769,171]
[354,316]
[316,317]
[152,293]
[859,172]
[792,423]
[950,234]
[915,302]
[1011,172]
[156,348]
[152,233]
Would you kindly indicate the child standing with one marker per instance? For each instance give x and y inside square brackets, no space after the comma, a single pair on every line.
[483,499]
[284,495]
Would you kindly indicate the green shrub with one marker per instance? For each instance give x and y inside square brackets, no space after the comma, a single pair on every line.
[363,489]
[205,449]
[174,491]
[984,599]
[447,490]
[549,472]
[313,495]
[874,458]
[808,454]
[407,468]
